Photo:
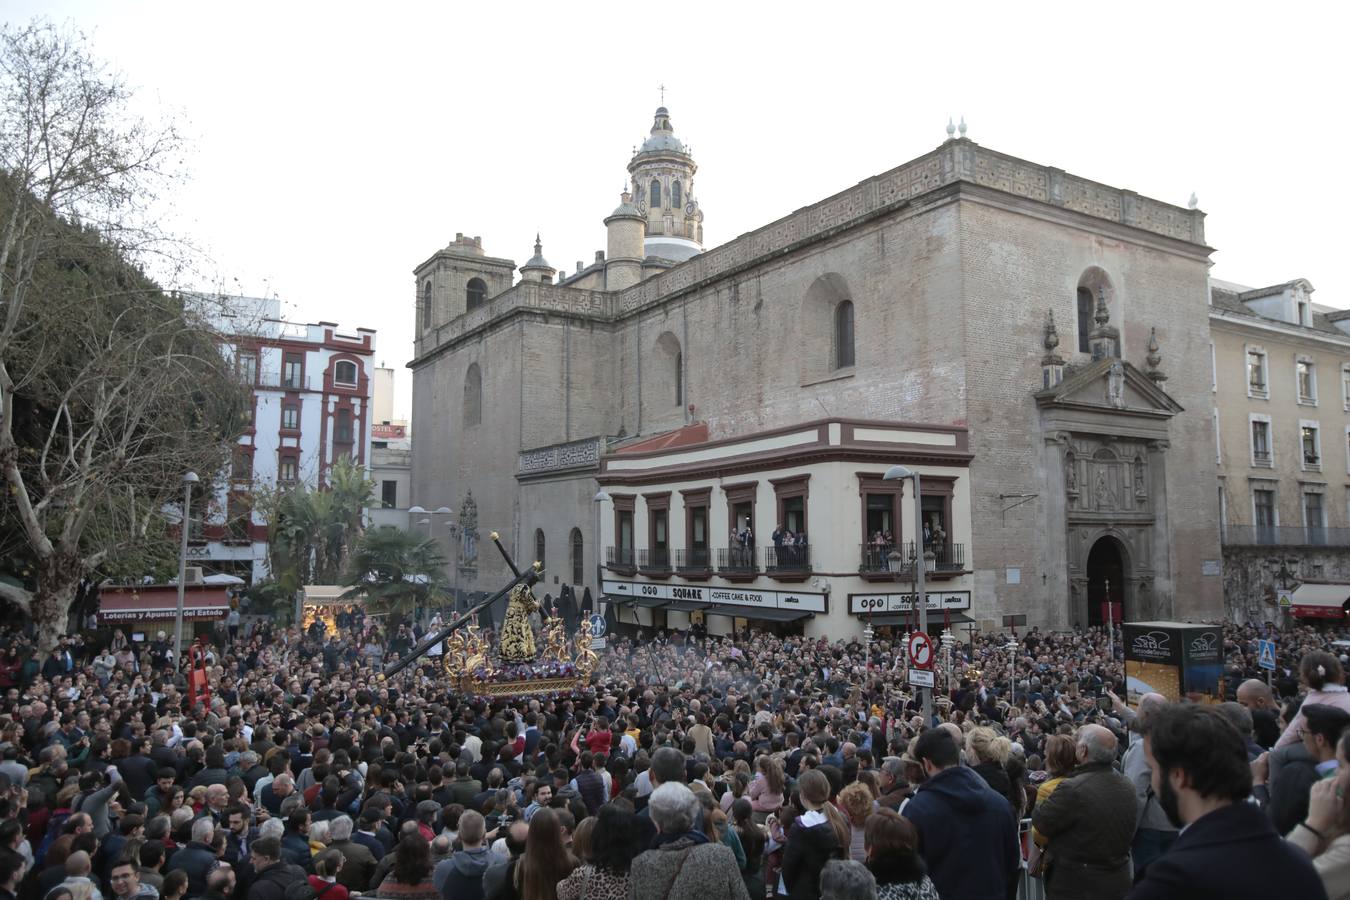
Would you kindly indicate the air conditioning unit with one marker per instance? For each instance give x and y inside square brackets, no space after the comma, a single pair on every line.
[193,576]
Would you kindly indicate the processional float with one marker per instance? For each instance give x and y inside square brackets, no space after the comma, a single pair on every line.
[513,664]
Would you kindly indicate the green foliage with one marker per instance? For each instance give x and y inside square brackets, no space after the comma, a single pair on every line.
[396,572]
[311,533]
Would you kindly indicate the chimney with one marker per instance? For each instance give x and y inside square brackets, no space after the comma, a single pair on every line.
[580,265]
[599,256]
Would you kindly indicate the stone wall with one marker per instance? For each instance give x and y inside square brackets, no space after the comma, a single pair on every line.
[1250,575]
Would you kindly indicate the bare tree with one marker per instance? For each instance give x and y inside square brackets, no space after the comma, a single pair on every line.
[110,389]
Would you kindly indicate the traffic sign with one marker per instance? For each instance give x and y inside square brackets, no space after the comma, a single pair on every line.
[1265,654]
[921,678]
[920,650]
[597,625]
[1286,599]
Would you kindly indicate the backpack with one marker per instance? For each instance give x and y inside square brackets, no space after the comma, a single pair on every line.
[55,824]
[303,890]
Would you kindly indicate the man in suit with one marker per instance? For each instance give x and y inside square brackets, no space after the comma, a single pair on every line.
[1227,847]
[1089,821]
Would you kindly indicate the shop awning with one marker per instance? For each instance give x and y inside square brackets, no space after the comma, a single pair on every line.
[934,619]
[645,602]
[687,605]
[160,602]
[755,613]
[1320,601]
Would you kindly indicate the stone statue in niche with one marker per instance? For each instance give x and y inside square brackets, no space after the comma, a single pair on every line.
[1105,499]
[1140,489]
[1071,475]
[1115,385]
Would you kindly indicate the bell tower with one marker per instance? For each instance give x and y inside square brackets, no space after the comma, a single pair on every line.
[662,173]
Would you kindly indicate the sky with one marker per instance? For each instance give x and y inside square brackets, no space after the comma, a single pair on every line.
[332,147]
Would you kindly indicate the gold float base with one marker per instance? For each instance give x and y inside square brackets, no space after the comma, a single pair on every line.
[523,687]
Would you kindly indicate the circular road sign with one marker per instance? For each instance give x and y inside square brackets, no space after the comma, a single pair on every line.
[597,625]
[920,650]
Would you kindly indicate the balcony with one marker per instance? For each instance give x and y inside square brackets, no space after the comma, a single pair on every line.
[737,563]
[1261,458]
[283,380]
[875,562]
[654,562]
[695,563]
[621,559]
[1284,536]
[793,561]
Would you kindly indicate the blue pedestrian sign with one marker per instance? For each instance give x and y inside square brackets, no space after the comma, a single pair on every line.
[598,626]
[1265,657]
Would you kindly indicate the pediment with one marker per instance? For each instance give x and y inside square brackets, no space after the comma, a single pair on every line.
[1110,385]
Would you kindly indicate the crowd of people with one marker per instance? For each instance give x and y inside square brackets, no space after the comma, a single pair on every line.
[699,766]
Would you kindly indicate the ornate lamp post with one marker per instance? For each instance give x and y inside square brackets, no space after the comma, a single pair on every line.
[189,479]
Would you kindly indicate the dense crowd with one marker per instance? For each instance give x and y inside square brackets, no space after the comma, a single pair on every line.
[699,767]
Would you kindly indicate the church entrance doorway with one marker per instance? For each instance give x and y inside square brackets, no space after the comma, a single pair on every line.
[1105,580]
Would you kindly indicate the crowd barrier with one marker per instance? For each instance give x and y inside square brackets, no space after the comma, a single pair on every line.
[1028,888]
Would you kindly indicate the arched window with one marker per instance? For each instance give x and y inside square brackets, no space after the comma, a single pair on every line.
[655,201]
[426,304]
[843,334]
[666,389]
[539,546]
[578,553]
[345,372]
[679,379]
[676,199]
[1085,305]
[475,294]
[473,396]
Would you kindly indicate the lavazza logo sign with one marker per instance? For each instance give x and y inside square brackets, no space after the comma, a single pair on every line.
[1153,645]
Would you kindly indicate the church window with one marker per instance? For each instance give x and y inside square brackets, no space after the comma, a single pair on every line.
[679,379]
[655,201]
[1085,305]
[843,334]
[473,396]
[475,294]
[578,547]
[426,305]
[539,546]
[675,196]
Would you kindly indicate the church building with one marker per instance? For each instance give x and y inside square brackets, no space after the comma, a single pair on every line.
[703,435]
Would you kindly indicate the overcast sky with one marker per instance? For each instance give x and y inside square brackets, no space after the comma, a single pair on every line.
[336,146]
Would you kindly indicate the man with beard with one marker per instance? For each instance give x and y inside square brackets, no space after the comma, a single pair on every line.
[1227,847]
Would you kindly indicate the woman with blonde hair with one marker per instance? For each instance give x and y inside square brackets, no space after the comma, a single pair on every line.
[820,834]
[987,753]
[856,803]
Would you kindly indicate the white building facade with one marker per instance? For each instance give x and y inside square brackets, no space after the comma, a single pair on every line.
[312,391]
[792,529]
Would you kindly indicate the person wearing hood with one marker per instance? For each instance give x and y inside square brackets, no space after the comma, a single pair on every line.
[967,834]
[820,834]
[461,875]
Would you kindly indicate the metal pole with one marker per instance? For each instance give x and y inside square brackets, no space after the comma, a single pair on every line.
[920,560]
[1012,672]
[182,572]
[1110,625]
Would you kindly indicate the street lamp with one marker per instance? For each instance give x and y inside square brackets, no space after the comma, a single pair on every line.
[189,479]
[899,473]
[1011,647]
[599,500]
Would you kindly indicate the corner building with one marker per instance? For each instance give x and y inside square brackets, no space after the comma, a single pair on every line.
[1048,333]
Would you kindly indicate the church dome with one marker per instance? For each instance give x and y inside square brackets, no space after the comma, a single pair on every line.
[662,138]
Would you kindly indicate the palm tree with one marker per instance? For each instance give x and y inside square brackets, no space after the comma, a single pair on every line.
[395,571]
